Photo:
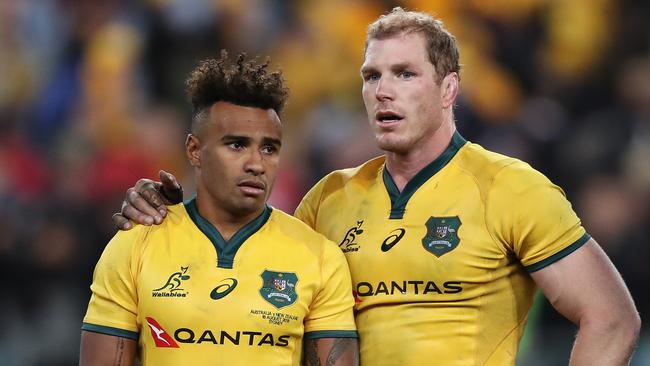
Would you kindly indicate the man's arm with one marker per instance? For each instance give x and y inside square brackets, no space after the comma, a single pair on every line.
[331,352]
[106,350]
[145,202]
[587,289]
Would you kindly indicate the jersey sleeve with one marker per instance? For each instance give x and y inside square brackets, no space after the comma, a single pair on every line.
[532,218]
[113,304]
[331,314]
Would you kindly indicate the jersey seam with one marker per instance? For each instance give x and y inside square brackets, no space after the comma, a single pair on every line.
[135,266]
[321,263]
[326,182]
[496,346]
[485,211]
[485,203]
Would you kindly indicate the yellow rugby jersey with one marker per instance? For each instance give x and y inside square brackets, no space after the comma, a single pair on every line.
[191,298]
[440,270]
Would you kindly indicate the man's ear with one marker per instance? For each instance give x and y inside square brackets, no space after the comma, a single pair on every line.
[193,150]
[449,88]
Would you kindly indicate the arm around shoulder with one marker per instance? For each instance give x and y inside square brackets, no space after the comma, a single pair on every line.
[587,289]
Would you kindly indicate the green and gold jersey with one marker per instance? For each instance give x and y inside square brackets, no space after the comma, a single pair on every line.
[191,298]
[440,270]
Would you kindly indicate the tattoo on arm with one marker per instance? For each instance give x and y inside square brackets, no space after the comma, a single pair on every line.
[338,350]
[340,346]
[119,351]
[311,353]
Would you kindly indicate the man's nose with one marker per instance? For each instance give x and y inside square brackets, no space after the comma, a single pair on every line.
[385,89]
[255,162]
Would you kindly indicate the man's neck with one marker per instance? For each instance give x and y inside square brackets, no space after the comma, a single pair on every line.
[404,166]
[225,222]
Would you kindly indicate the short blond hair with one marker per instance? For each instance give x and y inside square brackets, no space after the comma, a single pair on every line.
[440,44]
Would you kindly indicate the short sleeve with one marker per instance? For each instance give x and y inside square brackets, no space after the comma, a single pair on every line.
[531,217]
[331,314]
[113,303]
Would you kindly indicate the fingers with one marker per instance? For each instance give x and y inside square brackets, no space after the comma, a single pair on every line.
[152,195]
[121,222]
[150,191]
[139,210]
[172,192]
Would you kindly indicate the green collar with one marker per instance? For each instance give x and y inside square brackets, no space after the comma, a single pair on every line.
[398,200]
[226,250]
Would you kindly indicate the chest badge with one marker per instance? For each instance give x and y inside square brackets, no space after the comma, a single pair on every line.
[442,235]
[279,288]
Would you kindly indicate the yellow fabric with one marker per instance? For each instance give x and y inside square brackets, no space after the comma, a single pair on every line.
[467,305]
[141,268]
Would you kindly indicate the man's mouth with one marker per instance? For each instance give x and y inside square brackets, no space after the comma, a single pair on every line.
[388,117]
[252,187]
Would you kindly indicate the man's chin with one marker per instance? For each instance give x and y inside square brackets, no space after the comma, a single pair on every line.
[392,145]
[248,206]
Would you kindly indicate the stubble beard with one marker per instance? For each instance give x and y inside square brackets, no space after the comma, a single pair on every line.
[392,144]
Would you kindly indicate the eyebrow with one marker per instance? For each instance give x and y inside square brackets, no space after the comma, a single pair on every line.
[401,66]
[395,67]
[367,69]
[265,140]
[272,141]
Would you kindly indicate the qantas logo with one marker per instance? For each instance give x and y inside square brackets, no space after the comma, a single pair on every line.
[215,337]
[159,335]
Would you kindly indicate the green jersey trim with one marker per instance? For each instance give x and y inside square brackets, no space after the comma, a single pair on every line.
[559,255]
[117,332]
[331,334]
[226,250]
[398,200]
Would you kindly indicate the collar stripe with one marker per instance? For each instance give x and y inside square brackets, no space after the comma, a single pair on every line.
[226,250]
[398,200]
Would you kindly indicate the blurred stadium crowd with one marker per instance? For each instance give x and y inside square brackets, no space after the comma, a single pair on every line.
[92,98]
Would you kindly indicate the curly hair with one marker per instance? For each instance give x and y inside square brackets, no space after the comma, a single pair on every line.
[440,44]
[244,82]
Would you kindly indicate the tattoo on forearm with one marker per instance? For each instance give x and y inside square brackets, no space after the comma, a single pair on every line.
[340,346]
[311,353]
[119,352]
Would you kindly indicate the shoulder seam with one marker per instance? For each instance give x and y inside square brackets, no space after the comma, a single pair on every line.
[138,249]
[485,202]
[485,215]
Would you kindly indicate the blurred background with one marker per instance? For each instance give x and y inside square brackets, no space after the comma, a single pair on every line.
[92,98]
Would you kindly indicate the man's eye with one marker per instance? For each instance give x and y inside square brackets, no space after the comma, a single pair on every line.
[407,75]
[236,145]
[269,149]
[371,77]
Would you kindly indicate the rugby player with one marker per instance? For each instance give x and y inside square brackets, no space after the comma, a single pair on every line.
[226,279]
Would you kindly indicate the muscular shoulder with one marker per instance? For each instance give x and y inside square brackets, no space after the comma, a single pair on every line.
[298,233]
[336,187]
[361,176]
[140,235]
[492,170]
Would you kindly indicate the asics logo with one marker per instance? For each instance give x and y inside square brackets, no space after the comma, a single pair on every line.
[225,287]
[393,239]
